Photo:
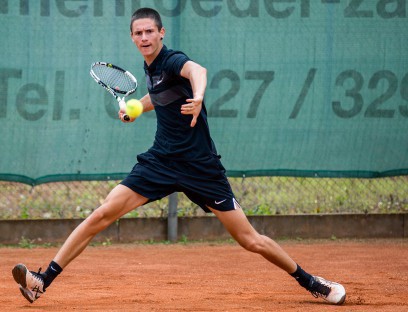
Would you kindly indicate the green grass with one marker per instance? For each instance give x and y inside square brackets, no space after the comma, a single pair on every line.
[257,196]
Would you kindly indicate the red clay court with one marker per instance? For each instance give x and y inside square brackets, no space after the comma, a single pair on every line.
[213,277]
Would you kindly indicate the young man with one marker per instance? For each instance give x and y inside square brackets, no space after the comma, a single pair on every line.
[183,158]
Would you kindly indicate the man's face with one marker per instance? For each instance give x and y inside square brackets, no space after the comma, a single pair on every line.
[147,38]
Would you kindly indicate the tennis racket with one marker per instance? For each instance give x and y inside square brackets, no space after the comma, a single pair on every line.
[115,80]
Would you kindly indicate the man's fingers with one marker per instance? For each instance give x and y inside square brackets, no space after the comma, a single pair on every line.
[193,122]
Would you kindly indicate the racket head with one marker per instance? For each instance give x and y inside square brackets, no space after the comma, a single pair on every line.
[113,78]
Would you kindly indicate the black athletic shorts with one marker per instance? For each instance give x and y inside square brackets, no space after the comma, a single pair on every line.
[204,182]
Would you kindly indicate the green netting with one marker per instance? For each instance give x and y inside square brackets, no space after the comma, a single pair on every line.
[302,88]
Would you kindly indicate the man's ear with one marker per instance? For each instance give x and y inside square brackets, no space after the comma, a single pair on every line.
[162,33]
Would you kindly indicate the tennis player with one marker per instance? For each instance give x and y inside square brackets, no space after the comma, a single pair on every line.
[183,158]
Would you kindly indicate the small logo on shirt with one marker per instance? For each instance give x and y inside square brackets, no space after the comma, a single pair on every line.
[159,80]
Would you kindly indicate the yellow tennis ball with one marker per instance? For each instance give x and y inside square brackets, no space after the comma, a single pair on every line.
[134,108]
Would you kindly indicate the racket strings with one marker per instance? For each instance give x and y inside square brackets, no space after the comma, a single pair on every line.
[114,78]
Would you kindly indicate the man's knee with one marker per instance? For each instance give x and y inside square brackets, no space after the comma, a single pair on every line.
[252,243]
[98,220]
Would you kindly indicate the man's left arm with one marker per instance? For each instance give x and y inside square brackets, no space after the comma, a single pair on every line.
[198,80]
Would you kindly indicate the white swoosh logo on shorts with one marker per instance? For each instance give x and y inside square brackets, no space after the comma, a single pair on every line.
[220,202]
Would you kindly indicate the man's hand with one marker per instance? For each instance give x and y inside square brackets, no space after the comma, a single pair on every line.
[198,80]
[192,107]
[147,106]
[122,113]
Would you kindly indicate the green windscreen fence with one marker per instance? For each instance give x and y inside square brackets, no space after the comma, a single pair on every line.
[295,87]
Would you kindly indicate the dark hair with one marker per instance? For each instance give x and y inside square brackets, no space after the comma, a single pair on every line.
[147,13]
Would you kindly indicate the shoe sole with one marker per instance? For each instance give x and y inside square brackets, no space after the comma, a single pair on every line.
[19,275]
[341,301]
[24,293]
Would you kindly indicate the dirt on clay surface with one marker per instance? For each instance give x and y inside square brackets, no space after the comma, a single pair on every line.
[213,277]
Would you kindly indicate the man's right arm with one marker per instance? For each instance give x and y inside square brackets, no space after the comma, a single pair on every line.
[147,103]
[147,106]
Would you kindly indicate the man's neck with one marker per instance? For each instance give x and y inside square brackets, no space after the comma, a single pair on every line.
[150,58]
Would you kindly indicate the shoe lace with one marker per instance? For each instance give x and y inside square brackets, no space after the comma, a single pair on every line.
[38,276]
[319,289]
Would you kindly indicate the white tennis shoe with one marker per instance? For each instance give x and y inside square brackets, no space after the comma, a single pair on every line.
[330,291]
[31,283]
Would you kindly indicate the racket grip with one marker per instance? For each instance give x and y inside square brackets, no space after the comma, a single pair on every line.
[126,117]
